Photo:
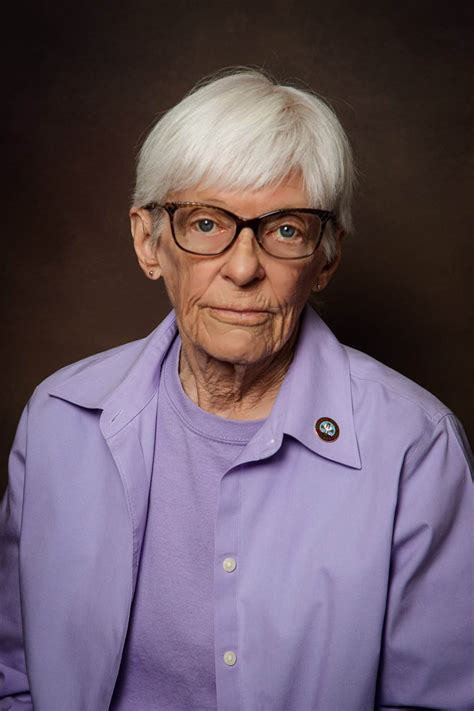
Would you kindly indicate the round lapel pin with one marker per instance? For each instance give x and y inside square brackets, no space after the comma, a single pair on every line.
[327,429]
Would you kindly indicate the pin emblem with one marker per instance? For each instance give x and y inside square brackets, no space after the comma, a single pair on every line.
[327,429]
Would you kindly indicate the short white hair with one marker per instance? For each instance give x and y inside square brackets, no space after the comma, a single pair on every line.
[242,130]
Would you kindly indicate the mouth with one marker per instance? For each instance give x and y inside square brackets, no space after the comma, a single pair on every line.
[242,316]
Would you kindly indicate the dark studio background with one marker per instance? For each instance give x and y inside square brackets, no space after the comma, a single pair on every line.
[83,82]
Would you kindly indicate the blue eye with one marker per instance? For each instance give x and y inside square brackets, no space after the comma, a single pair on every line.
[206,225]
[287,231]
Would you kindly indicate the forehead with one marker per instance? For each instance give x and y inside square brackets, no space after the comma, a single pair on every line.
[248,203]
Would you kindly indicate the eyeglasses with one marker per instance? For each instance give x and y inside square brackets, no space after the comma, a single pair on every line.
[207,230]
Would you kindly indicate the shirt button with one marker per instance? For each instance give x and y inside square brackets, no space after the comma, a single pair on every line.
[229,565]
[230,658]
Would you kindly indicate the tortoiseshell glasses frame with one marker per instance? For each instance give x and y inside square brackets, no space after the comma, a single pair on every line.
[240,223]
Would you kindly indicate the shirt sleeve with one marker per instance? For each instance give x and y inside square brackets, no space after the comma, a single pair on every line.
[14,686]
[427,654]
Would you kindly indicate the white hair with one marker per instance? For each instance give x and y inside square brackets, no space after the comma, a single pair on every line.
[244,131]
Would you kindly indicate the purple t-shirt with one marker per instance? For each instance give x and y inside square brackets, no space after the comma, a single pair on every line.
[168,662]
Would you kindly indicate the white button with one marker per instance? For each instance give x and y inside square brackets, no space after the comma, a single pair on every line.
[230,658]
[229,565]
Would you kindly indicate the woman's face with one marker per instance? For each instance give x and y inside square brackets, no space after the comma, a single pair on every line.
[241,306]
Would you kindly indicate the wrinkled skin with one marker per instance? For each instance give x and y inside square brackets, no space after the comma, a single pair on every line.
[237,312]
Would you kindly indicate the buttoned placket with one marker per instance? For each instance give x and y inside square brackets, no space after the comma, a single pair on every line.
[228,568]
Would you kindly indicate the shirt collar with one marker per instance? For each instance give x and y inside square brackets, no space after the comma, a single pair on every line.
[317,385]
[121,382]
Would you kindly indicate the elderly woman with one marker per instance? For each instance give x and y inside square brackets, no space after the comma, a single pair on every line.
[237,512]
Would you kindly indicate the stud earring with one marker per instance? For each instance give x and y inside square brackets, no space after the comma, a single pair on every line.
[151,272]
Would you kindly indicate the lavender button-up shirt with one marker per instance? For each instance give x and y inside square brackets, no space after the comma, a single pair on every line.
[352,588]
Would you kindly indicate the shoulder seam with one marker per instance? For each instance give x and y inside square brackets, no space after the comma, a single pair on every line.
[88,360]
[435,417]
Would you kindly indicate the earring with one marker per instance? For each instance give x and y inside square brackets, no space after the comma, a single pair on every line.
[318,286]
[150,273]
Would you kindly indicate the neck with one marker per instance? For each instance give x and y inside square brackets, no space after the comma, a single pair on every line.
[234,391]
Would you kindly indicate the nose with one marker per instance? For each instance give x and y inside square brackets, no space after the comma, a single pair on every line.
[242,263]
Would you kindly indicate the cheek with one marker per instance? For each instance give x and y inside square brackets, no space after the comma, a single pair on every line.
[186,282]
[293,285]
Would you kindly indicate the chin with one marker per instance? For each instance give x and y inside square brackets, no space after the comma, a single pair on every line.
[235,348]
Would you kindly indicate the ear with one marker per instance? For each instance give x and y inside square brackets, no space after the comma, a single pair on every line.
[329,268]
[141,229]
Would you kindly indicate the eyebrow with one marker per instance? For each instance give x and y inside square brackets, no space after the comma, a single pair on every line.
[211,199]
[221,203]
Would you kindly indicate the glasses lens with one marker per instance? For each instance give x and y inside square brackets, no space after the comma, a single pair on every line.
[203,230]
[290,235]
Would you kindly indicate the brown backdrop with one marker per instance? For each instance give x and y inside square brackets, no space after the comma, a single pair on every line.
[83,82]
